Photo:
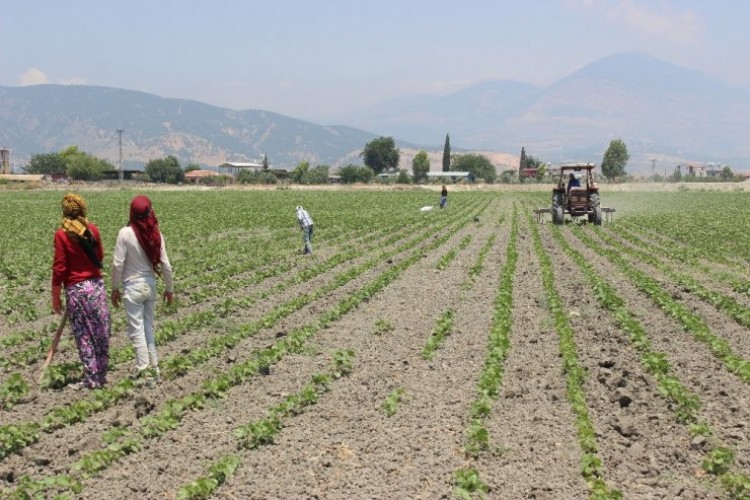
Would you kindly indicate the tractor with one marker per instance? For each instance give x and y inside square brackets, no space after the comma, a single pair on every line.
[577,194]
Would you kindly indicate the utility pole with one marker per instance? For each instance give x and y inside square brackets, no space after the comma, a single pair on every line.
[119,164]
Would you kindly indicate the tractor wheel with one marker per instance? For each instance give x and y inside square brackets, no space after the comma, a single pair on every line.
[596,217]
[557,208]
[557,215]
[595,205]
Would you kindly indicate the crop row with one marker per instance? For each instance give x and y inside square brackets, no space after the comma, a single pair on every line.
[739,312]
[467,480]
[61,374]
[692,323]
[591,463]
[682,256]
[171,412]
[18,436]
[686,404]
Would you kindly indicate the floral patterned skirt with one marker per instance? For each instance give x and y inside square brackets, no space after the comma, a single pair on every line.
[89,319]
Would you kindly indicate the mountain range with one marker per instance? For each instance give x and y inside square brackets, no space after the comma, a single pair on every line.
[663,112]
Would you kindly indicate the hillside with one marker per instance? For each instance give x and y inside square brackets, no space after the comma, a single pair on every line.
[659,109]
[666,115]
[45,118]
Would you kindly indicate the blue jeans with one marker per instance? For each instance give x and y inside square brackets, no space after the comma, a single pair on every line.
[307,237]
[139,298]
[443,201]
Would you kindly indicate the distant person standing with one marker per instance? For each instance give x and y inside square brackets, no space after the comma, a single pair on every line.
[444,197]
[140,256]
[306,224]
[77,267]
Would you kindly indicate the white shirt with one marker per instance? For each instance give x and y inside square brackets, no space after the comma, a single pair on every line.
[304,218]
[130,262]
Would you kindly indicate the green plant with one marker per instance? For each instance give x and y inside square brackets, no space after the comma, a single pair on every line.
[700,429]
[382,326]
[390,404]
[12,391]
[718,461]
[343,361]
[218,473]
[442,329]
[478,438]
[467,483]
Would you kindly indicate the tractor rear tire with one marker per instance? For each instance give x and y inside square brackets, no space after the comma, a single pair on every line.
[557,216]
[595,205]
[596,217]
[557,209]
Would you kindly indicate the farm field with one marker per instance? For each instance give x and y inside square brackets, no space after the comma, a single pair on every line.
[460,353]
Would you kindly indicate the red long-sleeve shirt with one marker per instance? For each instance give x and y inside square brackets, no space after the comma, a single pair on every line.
[71,264]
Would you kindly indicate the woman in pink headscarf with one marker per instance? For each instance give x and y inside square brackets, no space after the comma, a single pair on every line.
[140,256]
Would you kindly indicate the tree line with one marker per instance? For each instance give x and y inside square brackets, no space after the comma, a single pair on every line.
[380,156]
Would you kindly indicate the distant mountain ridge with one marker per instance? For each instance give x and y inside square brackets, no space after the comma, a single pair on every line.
[45,118]
[660,110]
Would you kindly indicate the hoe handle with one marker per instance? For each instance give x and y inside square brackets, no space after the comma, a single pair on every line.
[55,342]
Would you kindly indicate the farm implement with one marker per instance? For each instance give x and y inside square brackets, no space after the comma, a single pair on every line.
[577,195]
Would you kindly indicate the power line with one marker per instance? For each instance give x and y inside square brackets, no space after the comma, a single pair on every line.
[119,173]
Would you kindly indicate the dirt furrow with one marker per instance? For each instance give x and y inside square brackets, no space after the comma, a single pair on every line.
[725,401]
[531,424]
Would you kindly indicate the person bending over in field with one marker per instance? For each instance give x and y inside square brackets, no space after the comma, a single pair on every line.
[77,266]
[306,224]
[140,256]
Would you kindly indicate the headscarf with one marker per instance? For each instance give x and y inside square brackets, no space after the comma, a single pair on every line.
[146,228]
[74,214]
[76,225]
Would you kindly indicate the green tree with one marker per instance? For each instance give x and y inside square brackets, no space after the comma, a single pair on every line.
[420,165]
[192,167]
[522,165]
[381,154]
[403,177]
[299,172]
[615,159]
[480,166]
[80,165]
[508,177]
[447,154]
[317,175]
[265,162]
[726,174]
[49,163]
[253,177]
[355,173]
[85,167]
[535,163]
[165,170]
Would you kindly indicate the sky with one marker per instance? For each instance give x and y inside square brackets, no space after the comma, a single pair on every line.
[318,60]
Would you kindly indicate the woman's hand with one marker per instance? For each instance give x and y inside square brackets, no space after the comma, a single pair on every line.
[115,298]
[169,297]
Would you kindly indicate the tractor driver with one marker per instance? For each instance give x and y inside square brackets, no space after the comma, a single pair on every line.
[573,182]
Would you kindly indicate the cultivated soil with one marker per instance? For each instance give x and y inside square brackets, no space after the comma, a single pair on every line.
[345,446]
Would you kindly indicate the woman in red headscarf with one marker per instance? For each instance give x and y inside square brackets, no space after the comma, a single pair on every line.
[140,256]
[77,268]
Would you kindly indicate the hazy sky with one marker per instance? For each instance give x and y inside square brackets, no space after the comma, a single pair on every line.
[319,59]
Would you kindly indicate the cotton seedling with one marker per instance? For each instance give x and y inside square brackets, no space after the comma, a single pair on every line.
[390,405]
[467,483]
[382,326]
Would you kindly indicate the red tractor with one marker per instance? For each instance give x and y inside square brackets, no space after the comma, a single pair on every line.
[576,193]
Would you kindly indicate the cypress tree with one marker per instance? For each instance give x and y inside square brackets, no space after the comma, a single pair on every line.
[447,154]
[522,164]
